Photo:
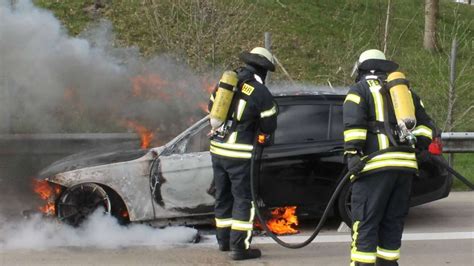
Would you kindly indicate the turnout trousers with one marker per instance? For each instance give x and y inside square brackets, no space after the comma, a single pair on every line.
[234,209]
[380,203]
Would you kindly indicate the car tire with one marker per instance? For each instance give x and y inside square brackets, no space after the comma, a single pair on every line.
[80,201]
[344,204]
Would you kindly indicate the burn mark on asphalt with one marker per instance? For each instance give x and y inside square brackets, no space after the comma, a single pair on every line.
[157,180]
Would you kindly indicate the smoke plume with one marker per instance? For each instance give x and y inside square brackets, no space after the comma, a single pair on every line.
[51,82]
[101,231]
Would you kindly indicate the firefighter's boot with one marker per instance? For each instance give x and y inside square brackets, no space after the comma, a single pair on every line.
[383,262]
[245,254]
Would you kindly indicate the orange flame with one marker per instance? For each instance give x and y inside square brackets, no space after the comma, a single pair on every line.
[46,191]
[150,85]
[146,135]
[283,221]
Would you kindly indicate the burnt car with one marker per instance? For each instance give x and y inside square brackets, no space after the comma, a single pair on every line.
[170,184]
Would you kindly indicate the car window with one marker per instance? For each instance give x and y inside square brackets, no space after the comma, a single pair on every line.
[337,126]
[199,141]
[302,123]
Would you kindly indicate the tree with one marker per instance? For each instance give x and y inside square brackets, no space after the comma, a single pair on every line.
[431,13]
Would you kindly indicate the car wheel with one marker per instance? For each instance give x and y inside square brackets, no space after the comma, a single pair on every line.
[79,201]
[344,204]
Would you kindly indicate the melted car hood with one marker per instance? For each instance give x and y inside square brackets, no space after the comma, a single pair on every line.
[95,157]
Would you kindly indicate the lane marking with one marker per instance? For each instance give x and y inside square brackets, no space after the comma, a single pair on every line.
[346,238]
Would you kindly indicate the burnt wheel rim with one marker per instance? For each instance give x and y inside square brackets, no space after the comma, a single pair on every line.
[79,201]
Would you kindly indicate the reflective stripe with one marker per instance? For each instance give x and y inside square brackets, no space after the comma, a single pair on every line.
[232,146]
[350,152]
[268,112]
[422,105]
[423,131]
[353,98]
[232,137]
[355,134]
[375,87]
[365,257]
[232,154]
[241,108]
[242,225]
[222,223]
[355,228]
[212,98]
[389,163]
[388,254]
[394,155]
[249,233]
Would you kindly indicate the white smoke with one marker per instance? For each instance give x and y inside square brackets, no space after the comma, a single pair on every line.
[99,230]
[51,82]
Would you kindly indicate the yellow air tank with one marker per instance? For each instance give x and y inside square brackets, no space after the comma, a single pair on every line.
[402,100]
[223,99]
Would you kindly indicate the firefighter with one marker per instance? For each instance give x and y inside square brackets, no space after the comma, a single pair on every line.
[231,148]
[380,195]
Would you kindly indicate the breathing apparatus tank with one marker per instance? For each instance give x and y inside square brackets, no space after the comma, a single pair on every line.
[403,105]
[223,99]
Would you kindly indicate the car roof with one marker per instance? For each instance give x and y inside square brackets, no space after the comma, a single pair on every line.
[279,90]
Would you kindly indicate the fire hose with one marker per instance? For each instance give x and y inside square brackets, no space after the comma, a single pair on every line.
[254,177]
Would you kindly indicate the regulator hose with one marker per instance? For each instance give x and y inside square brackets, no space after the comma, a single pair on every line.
[254,176]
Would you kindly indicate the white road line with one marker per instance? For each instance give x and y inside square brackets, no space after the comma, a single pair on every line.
[346,238]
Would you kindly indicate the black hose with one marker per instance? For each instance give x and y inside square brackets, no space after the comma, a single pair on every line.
[256,156]
[452,171]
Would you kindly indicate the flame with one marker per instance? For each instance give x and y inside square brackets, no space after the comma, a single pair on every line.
[146,135]
[283,221]
[150,85]
[48,192]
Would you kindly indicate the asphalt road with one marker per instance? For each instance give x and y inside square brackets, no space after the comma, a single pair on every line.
[439,233]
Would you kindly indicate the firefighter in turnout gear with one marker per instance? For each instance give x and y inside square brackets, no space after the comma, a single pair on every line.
[251,108]
[380,195]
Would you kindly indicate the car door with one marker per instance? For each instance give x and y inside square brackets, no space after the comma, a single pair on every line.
[303,164]
[183,174]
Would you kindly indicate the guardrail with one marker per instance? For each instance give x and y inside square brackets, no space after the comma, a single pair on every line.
[458,142]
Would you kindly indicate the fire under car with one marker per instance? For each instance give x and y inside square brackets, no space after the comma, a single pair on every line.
[171,184]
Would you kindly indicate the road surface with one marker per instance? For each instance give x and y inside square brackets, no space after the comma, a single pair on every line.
[438,233]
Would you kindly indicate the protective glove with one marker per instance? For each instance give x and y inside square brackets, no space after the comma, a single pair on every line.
[355,164]
[423,156]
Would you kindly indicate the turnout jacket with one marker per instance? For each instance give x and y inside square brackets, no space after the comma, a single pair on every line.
[252,105]
[364,114]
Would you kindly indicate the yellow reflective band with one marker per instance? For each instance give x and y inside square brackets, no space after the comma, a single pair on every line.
[379,114]
[355,228]
[353,98]
[423,131]
[232,137]
[390,163]
[355,134]
[232,154]
[268,112]
[388,254]
[242,225]
[365,257]
[422,105]
[249,233]
[212,98]
[222,223]
[350,152]
[240,109]
[232,146]
[394,155]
